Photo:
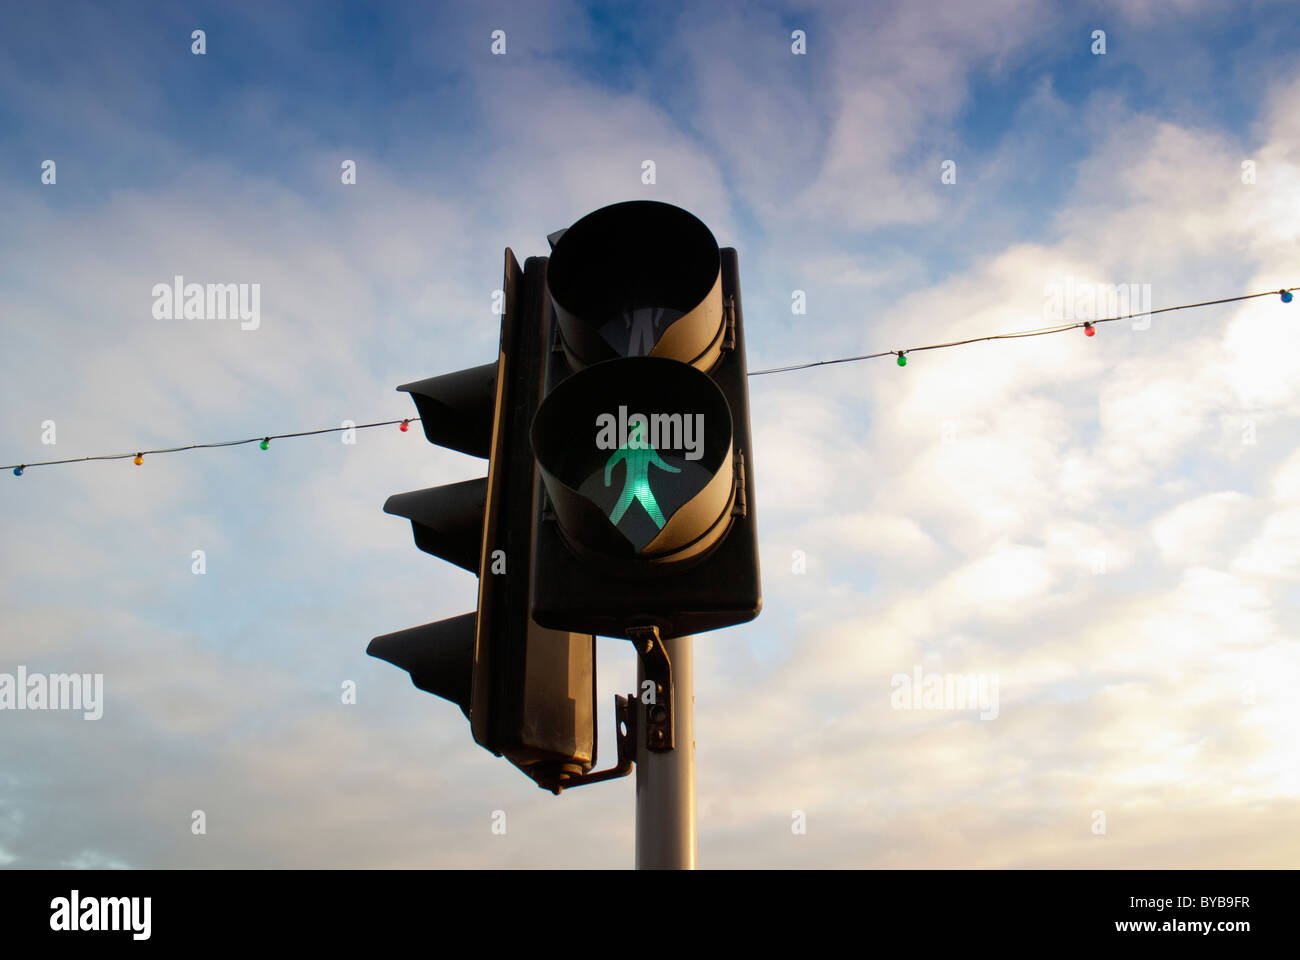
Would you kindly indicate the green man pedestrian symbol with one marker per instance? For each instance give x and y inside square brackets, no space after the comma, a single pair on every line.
[638,456]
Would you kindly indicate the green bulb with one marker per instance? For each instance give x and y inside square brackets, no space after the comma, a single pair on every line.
[638,457]
[902,360]
[265,444]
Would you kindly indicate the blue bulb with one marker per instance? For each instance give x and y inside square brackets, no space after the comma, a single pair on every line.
[18,471]
[1286,296]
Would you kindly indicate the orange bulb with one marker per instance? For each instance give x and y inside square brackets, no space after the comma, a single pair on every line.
[139,460]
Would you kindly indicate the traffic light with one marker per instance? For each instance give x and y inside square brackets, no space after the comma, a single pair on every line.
[528,691]
[642,440]
[619,498]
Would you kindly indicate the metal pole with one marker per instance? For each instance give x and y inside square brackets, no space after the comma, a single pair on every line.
[665,782]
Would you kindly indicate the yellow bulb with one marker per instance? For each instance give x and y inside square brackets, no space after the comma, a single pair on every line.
[139,460]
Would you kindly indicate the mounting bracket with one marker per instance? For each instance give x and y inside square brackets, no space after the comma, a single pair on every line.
[659,671]
[625,732]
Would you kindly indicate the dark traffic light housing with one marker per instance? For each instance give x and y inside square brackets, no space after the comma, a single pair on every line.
[642,440]
[528,691]
[619,498]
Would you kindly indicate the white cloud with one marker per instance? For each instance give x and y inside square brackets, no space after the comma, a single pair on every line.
[1194,533]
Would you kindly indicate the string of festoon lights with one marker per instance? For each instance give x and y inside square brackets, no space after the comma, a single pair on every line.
[1089,328]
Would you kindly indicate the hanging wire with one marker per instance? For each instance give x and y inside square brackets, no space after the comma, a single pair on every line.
[1040,332]
[1088,325]
[265,440]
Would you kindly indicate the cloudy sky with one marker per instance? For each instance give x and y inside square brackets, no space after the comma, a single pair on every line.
[1106,528]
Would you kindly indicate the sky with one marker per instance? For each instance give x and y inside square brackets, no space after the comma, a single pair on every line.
[1104,532]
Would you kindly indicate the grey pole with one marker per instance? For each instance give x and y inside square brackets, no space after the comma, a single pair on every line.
[665,782]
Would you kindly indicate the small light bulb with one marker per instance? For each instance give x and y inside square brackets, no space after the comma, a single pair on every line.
[1286,295]
[1089,330]
[265,444]
[405,425]
[902,360]
[139,460]
[18,471]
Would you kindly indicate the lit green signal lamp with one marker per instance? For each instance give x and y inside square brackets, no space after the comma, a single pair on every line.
[638,457]
[618,419]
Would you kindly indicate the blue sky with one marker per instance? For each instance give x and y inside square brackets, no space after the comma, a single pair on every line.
[951,515]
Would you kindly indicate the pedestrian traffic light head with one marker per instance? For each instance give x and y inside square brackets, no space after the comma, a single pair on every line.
[642,436]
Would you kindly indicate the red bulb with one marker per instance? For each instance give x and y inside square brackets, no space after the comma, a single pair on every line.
[404,425]
[1089,330]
